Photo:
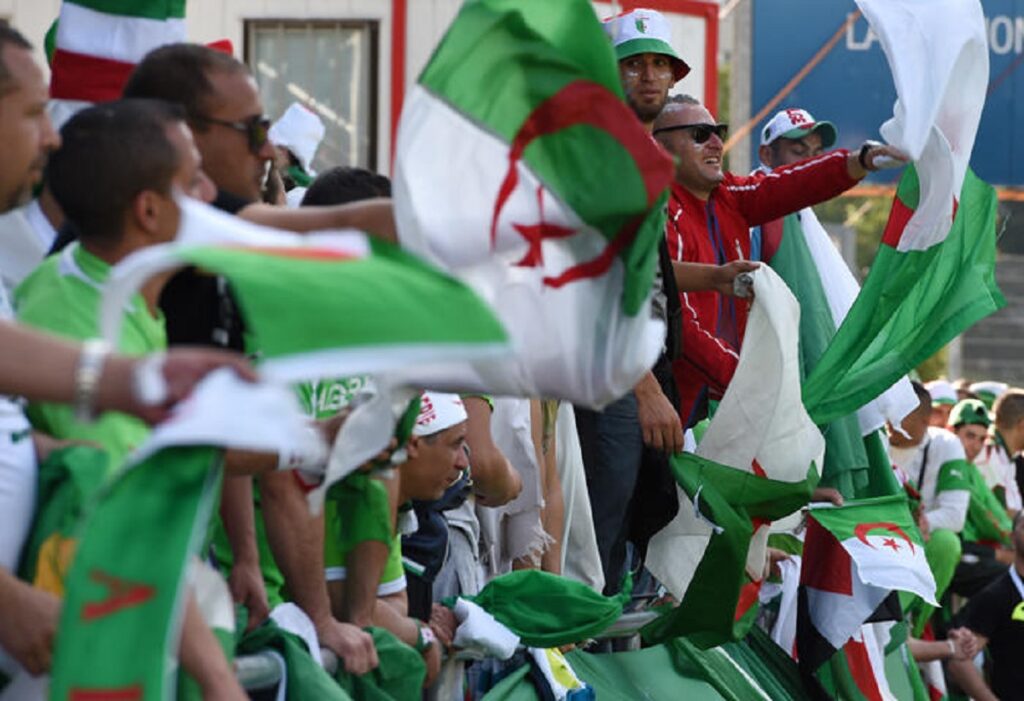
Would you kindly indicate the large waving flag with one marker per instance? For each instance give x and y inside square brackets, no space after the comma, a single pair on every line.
[321,305]
[551,201]
[98,43]
[758,461]
[121,620]
[933,275]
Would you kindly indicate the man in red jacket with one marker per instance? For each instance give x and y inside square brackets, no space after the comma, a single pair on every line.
[710,214]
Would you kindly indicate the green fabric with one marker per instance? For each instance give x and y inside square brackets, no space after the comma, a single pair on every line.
[644,46]
[953,475]
[125,592]
[50,43]
[300,177]
[223,555]
[399,677]
[306,679]
[845,456]
[510,66]
[69,479]
[365,290]
[900,669]
[325,398]
[147,9]
[912,303]
[880,480]
[515,687]
[968,412]
[942,551]
[987,520]
[731,499]
[356,510]
[546,610]
[62,295]
[393,568]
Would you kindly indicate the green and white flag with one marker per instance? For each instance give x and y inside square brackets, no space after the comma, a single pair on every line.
[550,201]
[934,272]
[330,304]
[758,461]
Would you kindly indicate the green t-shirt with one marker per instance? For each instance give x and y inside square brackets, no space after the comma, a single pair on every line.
[63,295]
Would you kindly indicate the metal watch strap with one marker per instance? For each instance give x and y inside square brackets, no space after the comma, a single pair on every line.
[87,377]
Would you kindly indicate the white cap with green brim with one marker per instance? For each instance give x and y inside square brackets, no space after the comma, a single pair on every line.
[942,392]
[796,124]
[644,32]
[989,391]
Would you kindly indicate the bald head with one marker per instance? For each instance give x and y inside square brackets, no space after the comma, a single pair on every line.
[698,151]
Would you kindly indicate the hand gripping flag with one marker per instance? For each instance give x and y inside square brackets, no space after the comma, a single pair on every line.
[550,202]
[933,275]
[757,462]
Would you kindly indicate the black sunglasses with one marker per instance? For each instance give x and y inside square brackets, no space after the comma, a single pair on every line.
[256,129]
[700,132]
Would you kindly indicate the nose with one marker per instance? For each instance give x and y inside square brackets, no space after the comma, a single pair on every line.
[50,137]
[462,459]
[266,151]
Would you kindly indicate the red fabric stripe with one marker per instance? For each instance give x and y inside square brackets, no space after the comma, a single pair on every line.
[898,218]
[748,598]
[88,78]
[826,565]
[863,672]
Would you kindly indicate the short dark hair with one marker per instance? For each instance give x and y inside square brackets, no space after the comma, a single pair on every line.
[10,35]
[179,73]
[683,100]
[923,395]
[343,184]
[109,154]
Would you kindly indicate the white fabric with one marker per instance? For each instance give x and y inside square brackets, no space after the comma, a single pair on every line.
[293,198]
[40,223]
[21,248]
[784,631]
[438,411]
[300,131]
[947,509]
[761,417]
[480,631]
[224,410]
[1000,471]
[841,289]
[786,121]
[25,687]
[938,55]
[581,559]
[876,656]
[996,389]
[941,391]
[17,495]
[638,24]
[293,619]
[572,342]
[115,37]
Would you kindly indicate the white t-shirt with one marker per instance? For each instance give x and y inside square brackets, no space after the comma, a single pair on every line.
[938,454]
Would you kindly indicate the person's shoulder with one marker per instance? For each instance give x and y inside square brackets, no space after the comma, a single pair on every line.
[49,299]
[999,592]
[948,443]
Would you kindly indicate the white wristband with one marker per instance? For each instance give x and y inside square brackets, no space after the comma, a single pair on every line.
[148,380]
[87,377]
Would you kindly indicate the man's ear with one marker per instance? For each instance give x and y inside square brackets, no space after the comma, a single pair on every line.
[146,210]
[765,154]
[412,447]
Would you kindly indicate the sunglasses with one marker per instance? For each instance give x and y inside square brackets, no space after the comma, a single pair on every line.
[700,132]
[255,128]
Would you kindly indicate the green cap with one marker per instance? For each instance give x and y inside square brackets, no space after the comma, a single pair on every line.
[644,32]
[969,412]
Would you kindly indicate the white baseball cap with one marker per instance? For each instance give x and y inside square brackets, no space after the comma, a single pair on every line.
[643,32]
[796,124]
[300,131]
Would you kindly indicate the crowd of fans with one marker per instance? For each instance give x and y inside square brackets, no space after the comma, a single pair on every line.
[482,485]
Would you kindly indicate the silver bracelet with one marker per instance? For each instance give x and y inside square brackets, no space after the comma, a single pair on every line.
[87,377]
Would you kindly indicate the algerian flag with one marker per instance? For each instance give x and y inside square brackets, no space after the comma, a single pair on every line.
[99,42]
[550,203]
[330,304]
[933,275]
[121,620]
[321,305]
[854,557]
[757,462]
